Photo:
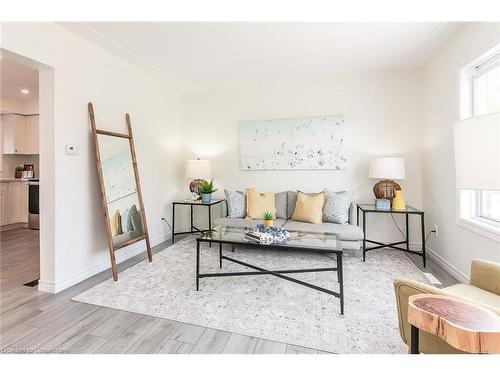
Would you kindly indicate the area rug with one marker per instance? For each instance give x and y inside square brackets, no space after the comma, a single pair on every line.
[265,306]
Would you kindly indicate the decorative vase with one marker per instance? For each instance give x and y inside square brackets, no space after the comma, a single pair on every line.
[206,198]
[398,202]
[269,223]
[385,189]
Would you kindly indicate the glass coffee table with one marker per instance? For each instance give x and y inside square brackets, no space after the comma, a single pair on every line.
[322,243]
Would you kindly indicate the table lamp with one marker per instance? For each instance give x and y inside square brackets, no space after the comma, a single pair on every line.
[387,169]
[199,171]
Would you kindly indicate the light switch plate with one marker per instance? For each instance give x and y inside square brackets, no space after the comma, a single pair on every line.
[71,149]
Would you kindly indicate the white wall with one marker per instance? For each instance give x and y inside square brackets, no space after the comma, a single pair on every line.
[382,114]
[73,242]
[455,246]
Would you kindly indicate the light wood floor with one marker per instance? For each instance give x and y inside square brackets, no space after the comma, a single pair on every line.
[33,321]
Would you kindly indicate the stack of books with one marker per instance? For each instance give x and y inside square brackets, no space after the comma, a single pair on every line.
[259,237]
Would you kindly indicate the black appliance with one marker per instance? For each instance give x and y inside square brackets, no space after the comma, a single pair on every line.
[33,204]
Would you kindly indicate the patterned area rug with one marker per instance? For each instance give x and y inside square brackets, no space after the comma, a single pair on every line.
[265,306]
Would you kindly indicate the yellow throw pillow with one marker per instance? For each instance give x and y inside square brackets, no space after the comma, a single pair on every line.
[257,204]
[116,224]
[309,209]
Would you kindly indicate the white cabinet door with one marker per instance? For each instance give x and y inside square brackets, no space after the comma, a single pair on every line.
[14,202]
[23,204]
[9,134]
[1,144]
[32,134]
[14,134]
[4,199]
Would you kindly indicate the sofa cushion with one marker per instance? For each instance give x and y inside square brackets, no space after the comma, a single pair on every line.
[346,232]
[280,202]
[336,208]
[309,208]
[243,223]
[236,203]
[473,293]
[258,204]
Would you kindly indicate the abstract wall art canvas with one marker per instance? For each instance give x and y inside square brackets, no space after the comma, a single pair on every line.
[292,143]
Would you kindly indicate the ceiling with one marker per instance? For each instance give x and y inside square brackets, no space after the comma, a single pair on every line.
[197,55]
[14,77]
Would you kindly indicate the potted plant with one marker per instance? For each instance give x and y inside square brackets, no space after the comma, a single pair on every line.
[206,190]
[19,171]
[268,219]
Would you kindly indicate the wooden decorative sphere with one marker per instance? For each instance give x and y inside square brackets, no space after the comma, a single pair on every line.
[194,186]
[385,189]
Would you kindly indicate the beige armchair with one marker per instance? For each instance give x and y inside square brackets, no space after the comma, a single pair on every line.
[484,289]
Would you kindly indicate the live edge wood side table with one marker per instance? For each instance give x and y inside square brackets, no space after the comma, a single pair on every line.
[370,208]
[192,204]
[465,326]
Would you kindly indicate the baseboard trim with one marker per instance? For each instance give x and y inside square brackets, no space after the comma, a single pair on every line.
[46,286]
[50,286]
[451,269]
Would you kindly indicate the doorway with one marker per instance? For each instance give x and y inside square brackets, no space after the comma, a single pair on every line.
[19,175]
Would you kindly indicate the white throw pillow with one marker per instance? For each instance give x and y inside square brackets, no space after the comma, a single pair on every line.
[236,203]
[336,207]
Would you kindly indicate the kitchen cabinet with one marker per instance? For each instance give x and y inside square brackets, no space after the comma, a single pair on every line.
[23,203]
[4,200]
[13,202]
[32,135]
[20,134]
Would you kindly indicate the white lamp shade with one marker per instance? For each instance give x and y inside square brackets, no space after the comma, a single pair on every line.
[198,169]
[477,152]
[387,168]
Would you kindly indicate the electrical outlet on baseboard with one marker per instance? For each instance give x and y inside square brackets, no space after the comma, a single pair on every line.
[436,229]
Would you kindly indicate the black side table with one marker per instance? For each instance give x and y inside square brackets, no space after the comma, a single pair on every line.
[193,204]
[370,208]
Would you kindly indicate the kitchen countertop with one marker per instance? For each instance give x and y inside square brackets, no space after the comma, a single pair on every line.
[12,179]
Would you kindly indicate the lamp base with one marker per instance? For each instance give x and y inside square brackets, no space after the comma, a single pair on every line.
[194,186]
[385,189]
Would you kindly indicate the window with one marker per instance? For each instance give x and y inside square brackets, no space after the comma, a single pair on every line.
[490,205]
[480,87]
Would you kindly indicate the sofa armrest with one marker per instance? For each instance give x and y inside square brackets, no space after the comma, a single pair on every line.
[352,214]
[224,209]
[485,275]
[404,288]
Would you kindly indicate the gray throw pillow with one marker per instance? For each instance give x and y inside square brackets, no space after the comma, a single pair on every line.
[135,218]
[131,212]
[280,201]
[336,207]
[236,203]
[125,219]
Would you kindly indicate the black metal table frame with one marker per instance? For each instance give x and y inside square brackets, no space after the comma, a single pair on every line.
[393,245]
[194,229]
[277,273]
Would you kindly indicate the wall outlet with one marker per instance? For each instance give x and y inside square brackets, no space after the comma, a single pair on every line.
[71,149]
[436,229]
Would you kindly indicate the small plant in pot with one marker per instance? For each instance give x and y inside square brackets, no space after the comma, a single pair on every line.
[206,190]
[19,171]
[268,219]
